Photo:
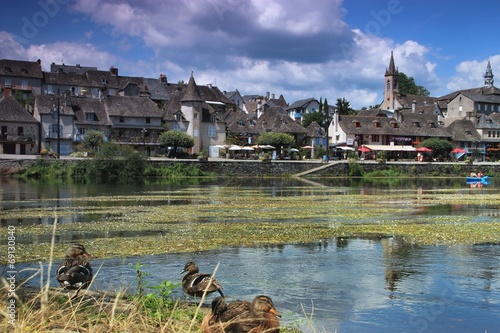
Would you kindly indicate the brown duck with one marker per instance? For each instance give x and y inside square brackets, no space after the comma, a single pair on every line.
[195,283]
[75,272]
[257,316]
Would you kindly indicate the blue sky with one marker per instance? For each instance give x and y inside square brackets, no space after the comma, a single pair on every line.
[300,49]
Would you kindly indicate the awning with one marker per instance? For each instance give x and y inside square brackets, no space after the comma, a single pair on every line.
[390,148]
[345,148]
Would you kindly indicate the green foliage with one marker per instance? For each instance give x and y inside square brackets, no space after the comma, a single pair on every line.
[175,139]
[140,278]
[344,107]
[440,148]
[313,116]
[117,163]
[355,170]
[407,85]
[93,140]
[276,139]
[44,169]
[175,170]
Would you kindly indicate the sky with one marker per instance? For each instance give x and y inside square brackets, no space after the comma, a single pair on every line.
[299,49]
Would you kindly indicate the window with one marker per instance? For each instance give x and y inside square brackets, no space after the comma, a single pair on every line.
[357,124]
[375,138]
[212,131]
[148,120]
[20,130]
[388,85]
[195,116]
[489,134]
[8,83]
[178,117]
[122,120]
[213,118]
[432,125]
[24,85]
[90,116]
[241,123]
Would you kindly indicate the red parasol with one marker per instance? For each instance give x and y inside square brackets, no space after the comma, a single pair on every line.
[458,150]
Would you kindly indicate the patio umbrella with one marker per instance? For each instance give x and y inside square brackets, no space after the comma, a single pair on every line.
[423,149]
[364,149]
[308,147]
[267,147]
[235,148]
[458,151]
[247,148]
[294,150]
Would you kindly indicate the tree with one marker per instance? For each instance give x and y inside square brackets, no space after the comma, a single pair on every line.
[93,140]
[176,139]
[407,86]
[318,117]
[117,163]
[344,107]
[276,139]
[440,147]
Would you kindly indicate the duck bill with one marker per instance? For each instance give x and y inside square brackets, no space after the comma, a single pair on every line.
[87,255]
[276,313]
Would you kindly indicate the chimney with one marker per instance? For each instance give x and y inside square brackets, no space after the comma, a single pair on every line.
[163,78]
[113,70]
[272,96]
[267,96]
[413,106]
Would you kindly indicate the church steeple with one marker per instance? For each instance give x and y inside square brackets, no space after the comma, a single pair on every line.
[488,76]
[391,83]
[392,70]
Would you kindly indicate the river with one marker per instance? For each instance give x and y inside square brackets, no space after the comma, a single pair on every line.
[344,285]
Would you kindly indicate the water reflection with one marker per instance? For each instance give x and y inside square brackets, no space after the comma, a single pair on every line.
[350,285]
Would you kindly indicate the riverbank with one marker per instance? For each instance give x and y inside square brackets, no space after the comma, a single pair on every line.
[11,164]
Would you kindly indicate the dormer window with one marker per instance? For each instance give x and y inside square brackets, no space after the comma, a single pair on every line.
[416,124]
[356,123]
[251,122]
[376,123]
[213,118]
[394,124]
[432,125]
[241,123]
[103,80]
[24,71]
[90,116]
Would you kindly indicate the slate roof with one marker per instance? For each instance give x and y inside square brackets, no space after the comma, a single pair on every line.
[493,99]
[95,79]
[157,90]
[276,119]
[45,104]
[233,120]
[422,124]
[315,131]
[12,111]
[300,103]
[70,79]
[19,68]
[425,103]
[463,130]
[191,94]
[126,106]
[484,90]
[368,125]
[488,122]
[83,105]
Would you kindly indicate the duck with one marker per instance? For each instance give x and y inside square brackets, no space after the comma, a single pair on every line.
[75,272]
[240,316]
[195,283]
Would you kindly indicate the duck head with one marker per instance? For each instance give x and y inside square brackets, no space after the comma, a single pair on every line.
[190,267]
[264,303]
[77,250]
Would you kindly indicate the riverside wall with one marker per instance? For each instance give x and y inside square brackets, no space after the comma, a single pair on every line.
[235,168]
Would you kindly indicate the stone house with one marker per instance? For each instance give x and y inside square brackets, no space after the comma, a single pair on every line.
[19,130]
[23,76]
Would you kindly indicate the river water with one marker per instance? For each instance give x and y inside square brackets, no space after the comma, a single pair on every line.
[344,285]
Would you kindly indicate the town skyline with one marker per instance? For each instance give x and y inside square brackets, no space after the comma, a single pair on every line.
[332,49]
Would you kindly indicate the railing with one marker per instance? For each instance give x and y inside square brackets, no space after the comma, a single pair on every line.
[17,138]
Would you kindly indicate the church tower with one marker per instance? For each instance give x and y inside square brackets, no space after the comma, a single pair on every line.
[488,76]
[391,84]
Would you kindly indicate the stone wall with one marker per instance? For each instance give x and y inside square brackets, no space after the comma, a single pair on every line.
[305,169]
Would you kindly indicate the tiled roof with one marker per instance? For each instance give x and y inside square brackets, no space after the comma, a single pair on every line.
[300,103]
[12,111]
[70,79]
[126,106]
[234,120]
[25,69]
[191,94]
[487,122]
[82,105]
[315,131]
[156,89]
[276,119]
[45,104]
[463,130]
